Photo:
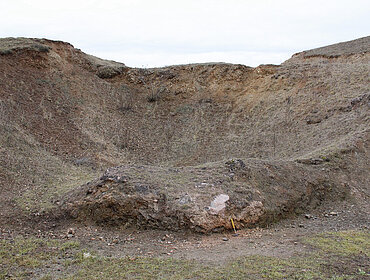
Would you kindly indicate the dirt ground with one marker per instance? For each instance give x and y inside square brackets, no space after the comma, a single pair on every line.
[286,241]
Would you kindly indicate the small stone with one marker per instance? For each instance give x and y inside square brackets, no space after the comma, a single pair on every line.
[225,239]
[333,213]
[301,225]
[308,216]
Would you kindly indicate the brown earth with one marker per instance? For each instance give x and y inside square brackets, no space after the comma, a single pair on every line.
[279,140]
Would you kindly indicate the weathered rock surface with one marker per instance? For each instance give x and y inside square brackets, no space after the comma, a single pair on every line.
[202,198]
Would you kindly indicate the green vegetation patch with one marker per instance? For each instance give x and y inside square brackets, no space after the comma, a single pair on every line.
[341,255]
[344,243]
[24,258]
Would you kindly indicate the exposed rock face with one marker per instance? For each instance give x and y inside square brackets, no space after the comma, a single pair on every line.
[202,198]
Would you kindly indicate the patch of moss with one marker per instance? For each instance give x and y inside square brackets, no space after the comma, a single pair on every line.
[343,243]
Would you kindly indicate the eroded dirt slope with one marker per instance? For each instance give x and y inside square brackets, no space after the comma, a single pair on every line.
[67,116]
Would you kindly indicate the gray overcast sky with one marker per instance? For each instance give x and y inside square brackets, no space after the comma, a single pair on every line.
[164,32]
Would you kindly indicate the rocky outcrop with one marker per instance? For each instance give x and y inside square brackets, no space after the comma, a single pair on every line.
[203,198]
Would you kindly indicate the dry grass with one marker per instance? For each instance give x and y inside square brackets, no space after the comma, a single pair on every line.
[9,45]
